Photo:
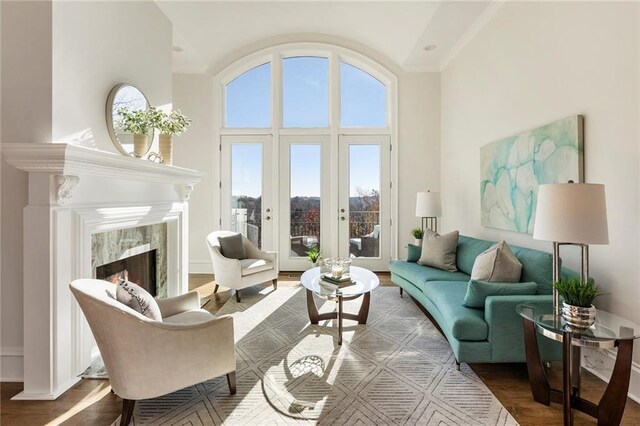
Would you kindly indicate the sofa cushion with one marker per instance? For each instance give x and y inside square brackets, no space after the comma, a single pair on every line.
[537,266]
[195,316]
[439,251]
[497,264]
[253,266]
[468,249]
[418,274]
[464,323]
[413,253]
[478,291]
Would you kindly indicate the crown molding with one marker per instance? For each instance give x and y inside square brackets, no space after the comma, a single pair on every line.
[473,31]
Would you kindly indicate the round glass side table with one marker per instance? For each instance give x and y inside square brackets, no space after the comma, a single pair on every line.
[608,331]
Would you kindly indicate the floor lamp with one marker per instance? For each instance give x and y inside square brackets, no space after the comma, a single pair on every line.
[571,214]
[429,208]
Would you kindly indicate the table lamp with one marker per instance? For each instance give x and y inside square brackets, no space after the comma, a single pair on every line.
[429,208]
[571,214]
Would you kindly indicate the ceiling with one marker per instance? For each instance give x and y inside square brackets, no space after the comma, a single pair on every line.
[207,32]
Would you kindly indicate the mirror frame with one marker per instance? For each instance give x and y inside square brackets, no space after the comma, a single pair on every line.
[110,125]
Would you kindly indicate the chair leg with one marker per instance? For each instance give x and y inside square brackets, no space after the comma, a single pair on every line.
[127,411]
[275,283]
[401,291]
[215,289]
[238,296]
[231,381]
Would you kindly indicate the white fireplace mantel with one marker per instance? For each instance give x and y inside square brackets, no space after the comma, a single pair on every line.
[74,193]
[68,162]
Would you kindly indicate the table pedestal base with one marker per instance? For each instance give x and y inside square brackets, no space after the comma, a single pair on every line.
[611,406]
[361,316]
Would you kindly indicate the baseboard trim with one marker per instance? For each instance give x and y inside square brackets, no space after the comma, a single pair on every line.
[11,364]
[600,363]
[43,396]
[200,268]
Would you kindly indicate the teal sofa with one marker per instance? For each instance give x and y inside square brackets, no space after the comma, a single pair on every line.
[490,335]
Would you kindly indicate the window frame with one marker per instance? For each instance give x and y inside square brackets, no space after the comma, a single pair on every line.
[237,65]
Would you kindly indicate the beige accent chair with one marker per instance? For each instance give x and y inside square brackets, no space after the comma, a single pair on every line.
[147,359]
[259,267]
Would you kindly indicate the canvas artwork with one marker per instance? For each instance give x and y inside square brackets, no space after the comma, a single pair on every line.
[513,168]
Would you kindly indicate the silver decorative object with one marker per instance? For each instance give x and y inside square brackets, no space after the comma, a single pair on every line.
[578,317]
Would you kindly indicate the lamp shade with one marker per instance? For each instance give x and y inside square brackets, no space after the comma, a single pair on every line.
[428,204]
[571,213]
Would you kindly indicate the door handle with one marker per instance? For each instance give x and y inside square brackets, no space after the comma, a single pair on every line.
[342,218]
[267,218]
[268,210]
[341,210]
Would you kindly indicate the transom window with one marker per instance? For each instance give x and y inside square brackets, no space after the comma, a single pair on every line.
[306,96]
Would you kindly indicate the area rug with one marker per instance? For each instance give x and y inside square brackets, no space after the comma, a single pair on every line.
[397,370]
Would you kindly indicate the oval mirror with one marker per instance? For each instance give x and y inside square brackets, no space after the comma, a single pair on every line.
[127,142]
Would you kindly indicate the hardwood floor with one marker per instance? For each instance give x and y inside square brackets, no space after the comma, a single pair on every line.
[91,402]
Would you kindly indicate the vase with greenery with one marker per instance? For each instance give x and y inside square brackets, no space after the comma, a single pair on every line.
[168,125]
[418,234]
[577,308]
[313,254]
[139,123]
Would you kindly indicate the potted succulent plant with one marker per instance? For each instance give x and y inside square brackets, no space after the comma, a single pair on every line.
[577,308]
[418,234]
[137,122]
[173,123]
[313,254]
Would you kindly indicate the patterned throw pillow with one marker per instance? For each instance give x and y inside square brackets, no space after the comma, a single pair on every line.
[138,299]
[439,251]
[497,264]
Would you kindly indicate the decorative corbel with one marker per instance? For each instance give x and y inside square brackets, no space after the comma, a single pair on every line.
[65,185]
[186,191]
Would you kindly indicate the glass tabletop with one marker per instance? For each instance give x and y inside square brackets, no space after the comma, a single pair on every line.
[363,282]
[606,327]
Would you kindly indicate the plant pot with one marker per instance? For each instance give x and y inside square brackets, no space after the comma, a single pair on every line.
[166,148]
[140,144]
[417,242]
[578,317]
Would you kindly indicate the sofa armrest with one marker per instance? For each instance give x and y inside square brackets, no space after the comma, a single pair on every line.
[175,305]
[506,333]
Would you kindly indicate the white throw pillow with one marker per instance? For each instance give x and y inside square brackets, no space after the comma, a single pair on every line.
[439,251]
[138,299]
[497,264]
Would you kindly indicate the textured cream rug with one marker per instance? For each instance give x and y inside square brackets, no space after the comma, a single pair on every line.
[396,369]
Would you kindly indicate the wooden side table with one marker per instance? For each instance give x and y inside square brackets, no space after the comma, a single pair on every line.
[609,331]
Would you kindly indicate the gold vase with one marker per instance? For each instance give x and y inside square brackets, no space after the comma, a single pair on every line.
[140,144]
[166,149]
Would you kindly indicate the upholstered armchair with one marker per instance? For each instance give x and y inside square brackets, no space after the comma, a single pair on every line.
[147,359]
[259,266]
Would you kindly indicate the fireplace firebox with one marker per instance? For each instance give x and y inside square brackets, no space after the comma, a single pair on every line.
[139,269]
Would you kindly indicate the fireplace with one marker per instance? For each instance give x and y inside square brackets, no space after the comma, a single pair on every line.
[139,269]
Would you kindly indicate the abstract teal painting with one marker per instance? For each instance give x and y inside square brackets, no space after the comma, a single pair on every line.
[513,168]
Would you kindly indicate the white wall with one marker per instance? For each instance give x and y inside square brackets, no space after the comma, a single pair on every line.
[533,63]
[418,152]
[59,62]
[96,46]
[26,115]
[193,95]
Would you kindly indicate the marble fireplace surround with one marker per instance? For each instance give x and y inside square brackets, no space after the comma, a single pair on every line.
[107,247]
[76,193]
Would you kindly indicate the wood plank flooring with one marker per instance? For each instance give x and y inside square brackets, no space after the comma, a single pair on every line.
[90,402]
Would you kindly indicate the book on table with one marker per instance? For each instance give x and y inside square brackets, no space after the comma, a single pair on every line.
[341,282]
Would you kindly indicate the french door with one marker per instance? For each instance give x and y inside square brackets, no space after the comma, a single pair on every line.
[364,207]
[332,194]
[246,188]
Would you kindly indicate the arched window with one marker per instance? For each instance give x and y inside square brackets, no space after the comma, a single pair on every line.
[305,158]
[248,99]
